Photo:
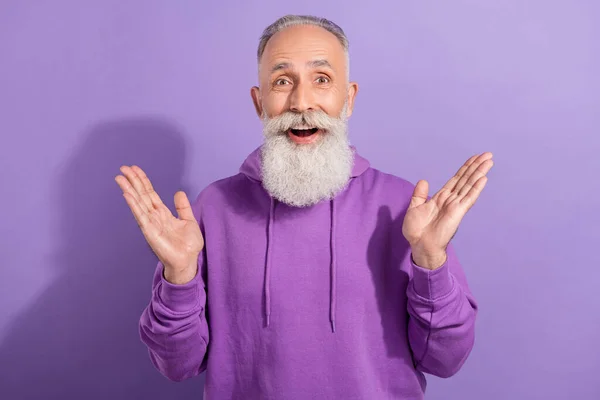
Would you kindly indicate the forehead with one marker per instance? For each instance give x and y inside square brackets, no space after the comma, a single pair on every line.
[299,45]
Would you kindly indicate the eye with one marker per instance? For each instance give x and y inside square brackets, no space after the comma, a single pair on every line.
[322,79]
[281,81]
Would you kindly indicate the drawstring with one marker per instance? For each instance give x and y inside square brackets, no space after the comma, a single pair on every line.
[333,266]
[333,297]
[268,266]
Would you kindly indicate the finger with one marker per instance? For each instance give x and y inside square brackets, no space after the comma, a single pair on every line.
[149,189]
[141,217]
[182,205]
[126,187]
[446,191]
[452,182]
[473,194]
[472,168]
[419,194]
[482,170]
[135,181]
[442,196]
[123,184]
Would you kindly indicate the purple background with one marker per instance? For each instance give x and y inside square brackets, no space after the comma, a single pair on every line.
[88,86]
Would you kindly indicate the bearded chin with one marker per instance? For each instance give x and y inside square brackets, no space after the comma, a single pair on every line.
[302,175]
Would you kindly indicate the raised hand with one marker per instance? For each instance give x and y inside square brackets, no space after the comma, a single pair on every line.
[177,242]
[429,225]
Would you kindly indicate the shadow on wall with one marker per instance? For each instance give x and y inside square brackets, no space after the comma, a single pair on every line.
[79,340]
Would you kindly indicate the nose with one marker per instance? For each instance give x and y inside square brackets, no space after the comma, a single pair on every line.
[301,98]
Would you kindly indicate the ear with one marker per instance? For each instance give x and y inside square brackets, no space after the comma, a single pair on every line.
[255,94]
[352,91]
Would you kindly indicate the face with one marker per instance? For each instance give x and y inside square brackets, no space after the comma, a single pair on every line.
[304,100]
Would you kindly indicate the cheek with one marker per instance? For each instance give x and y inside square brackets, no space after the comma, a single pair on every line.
[332,102]
[274,104]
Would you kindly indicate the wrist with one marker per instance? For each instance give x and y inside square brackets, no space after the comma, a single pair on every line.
[429,259]
[179,276]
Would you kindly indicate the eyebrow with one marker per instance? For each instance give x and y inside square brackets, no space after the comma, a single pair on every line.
[310,64]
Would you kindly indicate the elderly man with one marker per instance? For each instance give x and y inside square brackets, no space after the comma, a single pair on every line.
[310,274]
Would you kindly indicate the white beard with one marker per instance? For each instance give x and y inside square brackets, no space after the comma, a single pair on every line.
[302,175]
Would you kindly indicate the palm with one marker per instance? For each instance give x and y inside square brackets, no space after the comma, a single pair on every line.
[431,223]
[175,241]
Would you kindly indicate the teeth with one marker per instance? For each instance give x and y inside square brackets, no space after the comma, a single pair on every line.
[303,127]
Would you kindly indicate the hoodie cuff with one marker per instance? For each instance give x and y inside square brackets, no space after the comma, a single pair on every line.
[180,298]
[432,284]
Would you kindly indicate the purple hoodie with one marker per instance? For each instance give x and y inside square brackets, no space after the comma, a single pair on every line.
[321,302]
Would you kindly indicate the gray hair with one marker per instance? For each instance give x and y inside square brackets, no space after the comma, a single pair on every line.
[294,20]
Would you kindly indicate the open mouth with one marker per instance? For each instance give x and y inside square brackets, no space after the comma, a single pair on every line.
[304,132]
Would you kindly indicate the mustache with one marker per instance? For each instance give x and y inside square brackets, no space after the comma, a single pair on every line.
[287,120]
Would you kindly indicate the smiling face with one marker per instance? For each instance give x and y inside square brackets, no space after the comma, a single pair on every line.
[304,99]
[303,69]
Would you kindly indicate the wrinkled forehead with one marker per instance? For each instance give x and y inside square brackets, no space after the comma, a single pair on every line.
[303,47]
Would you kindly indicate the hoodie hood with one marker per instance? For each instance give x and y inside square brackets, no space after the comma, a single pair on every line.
[251,167]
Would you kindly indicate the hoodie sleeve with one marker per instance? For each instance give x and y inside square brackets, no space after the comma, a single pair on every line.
[442,311]
[173,325]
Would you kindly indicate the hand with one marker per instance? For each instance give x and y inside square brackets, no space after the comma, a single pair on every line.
[429,225]
[177,242]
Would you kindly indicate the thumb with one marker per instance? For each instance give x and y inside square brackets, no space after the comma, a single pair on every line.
[182,205]
[420,194]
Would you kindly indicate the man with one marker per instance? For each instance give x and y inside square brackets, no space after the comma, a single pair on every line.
[308,275]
